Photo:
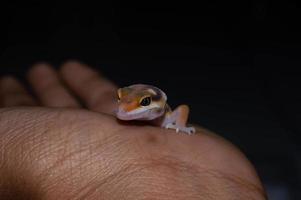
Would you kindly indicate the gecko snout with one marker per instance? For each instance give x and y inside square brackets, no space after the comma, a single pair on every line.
[122,114]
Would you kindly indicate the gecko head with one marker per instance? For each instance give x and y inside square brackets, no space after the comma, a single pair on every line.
[140,102]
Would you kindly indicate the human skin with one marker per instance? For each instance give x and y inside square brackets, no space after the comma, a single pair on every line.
[65,143]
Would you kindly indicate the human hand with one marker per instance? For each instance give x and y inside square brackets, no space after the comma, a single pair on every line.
[51,148]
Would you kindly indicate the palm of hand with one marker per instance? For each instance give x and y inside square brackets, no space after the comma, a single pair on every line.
[69,153]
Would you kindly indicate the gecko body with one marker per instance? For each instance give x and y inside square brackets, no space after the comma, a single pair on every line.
[149,103]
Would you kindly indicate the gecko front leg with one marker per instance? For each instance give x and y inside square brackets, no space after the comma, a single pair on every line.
[177,120]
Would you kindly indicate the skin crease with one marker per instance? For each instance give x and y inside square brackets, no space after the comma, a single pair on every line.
[51,148]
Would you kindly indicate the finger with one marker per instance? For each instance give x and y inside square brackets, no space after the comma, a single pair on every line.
[12,93]
[48,88]
[97,93]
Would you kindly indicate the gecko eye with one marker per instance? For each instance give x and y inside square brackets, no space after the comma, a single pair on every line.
[145,101]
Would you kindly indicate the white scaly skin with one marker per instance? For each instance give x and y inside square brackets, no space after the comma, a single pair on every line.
[146,102]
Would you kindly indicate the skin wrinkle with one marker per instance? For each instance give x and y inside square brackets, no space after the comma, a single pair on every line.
[131,167]
[18,185]
[69,157]
[149,167]
[65,162]
[196,154]
[60,163]
[44,137]
[126,162]
[230,185]
[15,141]
[109,177]
[125,147]
[32,146]
[243,183]
[47,172]
[114,179]
[43,156]
[176,165]
[96,179]
[164,185]
[2,155]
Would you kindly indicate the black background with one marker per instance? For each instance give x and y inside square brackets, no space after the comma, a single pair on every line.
[235,63]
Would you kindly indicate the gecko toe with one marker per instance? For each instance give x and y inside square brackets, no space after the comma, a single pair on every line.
[178,129]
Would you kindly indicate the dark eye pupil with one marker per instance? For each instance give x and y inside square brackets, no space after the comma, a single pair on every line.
[146,101]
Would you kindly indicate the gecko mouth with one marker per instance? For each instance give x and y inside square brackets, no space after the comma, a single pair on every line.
[145,114]
[132,116]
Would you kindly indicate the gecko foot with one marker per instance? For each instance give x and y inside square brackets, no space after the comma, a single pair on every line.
[188,130]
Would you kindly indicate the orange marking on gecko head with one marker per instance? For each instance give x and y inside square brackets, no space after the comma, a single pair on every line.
[129,106]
